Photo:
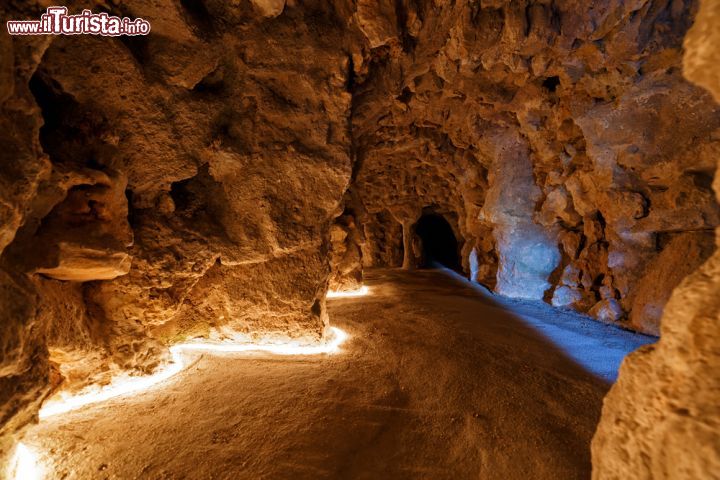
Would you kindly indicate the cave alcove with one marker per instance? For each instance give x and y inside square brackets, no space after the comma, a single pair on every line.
[438,242]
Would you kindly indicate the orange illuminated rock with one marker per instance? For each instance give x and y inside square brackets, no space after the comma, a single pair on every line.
[661,419]
[220,173]
[81,264]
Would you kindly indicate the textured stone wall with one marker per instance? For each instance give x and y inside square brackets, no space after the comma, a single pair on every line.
[217,175]
[163,187]
[661,419]
[345,254]
[25,373]
[527,252]
[606,204]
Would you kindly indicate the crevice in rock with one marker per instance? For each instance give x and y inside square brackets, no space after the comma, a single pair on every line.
[198,16]
[551,84]
[139,48]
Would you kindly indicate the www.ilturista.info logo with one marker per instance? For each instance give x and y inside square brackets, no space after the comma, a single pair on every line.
[56,21]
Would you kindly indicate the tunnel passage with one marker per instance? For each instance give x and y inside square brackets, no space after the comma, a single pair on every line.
[438,241]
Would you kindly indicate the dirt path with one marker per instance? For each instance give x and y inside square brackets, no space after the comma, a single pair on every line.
[436,382]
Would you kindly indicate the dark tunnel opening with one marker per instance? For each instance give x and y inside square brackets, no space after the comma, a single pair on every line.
[439,245]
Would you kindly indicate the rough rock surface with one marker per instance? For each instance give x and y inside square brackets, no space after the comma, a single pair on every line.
[345,255]
[407,398]
[156,188]
[216,176]
[662,419]
[547,134]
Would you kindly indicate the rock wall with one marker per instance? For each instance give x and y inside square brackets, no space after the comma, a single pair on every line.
[217,175]
[661,418]
[163,187]
[345,254]
[527,253]
[25,374]
[605,194]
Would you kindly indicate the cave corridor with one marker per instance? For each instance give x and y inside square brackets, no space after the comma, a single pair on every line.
[353,239]
[438,242]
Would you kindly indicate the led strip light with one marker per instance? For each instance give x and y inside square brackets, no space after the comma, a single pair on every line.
[364,290]
[24,464]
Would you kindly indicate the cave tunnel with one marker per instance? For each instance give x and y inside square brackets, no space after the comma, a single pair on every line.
[221,240]
[438,242]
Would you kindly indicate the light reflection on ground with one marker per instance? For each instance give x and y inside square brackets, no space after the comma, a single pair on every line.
[131,385]
[597,347]
[362,291]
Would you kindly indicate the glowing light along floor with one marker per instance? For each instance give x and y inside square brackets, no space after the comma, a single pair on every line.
[25,465]
[127,385]
[424,354]
[364,290]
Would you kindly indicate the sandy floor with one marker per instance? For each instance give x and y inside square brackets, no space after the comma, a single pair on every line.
[437,381]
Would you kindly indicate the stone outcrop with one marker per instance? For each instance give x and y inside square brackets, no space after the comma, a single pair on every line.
[609,199]
[527,252]
[215,177]
[25,373]
[661,419]
[548,134]
[345,255]
[86,235]
[164,187]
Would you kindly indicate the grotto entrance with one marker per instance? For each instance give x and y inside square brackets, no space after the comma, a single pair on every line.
[437,241]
